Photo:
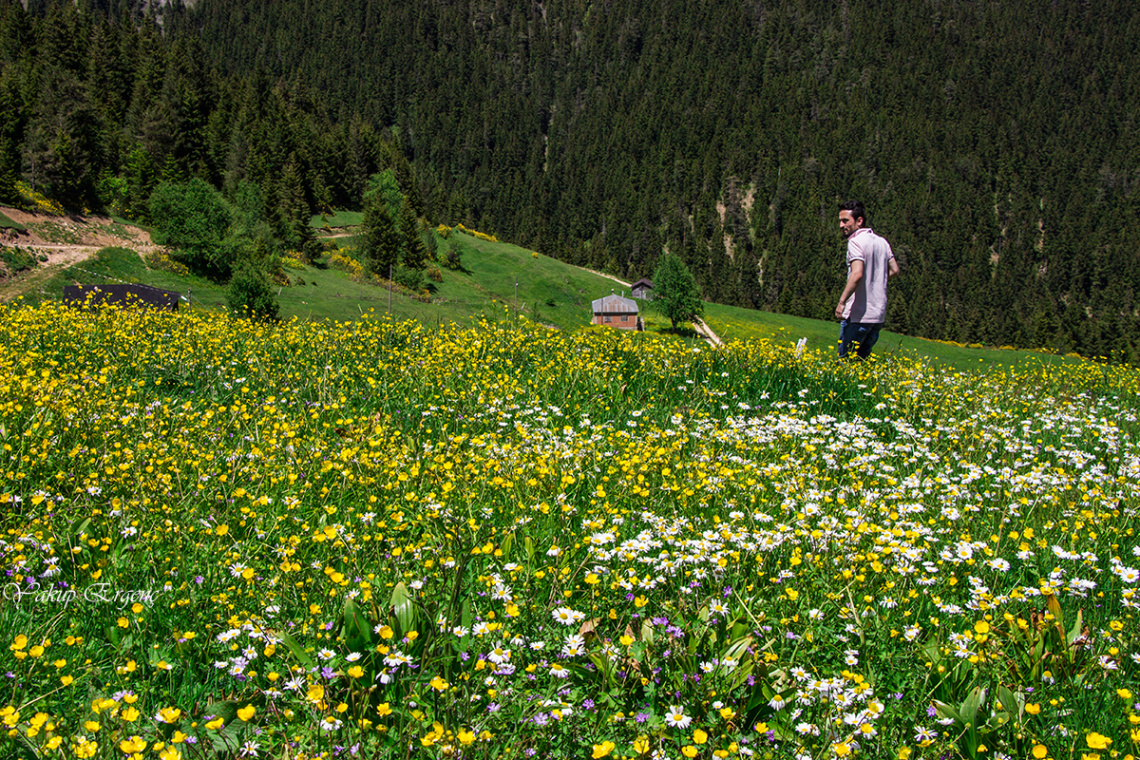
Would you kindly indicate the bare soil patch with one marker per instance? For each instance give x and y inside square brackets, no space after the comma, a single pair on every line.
[61,241]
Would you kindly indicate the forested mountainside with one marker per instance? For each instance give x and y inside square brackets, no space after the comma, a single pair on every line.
[993,143]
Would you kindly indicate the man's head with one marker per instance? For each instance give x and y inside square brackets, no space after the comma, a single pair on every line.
[852,216]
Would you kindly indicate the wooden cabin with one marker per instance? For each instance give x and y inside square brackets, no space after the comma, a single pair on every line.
[642,289]
[617,311]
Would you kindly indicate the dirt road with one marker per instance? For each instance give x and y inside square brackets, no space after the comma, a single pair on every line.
[60,241]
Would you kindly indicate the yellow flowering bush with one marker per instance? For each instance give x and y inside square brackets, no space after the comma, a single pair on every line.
[38,201]
[344,262]
[471,232]
[160,259]
[293,260]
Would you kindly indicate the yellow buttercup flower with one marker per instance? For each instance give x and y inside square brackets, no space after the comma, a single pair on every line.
[602,750]
[1097,741]
[132,745]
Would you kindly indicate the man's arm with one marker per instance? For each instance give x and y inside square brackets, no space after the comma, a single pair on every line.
[892,267]
[853,278]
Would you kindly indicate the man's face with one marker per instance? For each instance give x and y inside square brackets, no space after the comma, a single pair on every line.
[848,224]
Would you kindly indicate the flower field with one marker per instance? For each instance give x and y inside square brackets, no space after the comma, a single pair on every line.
[223,540]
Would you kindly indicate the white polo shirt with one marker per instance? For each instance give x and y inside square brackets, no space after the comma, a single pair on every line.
[869,301]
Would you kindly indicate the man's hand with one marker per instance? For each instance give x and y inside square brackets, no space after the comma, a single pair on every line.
[854,274]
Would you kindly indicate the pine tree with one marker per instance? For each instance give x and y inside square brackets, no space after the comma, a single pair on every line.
[381,238]
[62,150]
[415,253]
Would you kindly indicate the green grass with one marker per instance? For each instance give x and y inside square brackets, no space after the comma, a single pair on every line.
[734,323]
[337,219]
[125,265]
[282,499]
[17,259]
[549,292]
[7,223]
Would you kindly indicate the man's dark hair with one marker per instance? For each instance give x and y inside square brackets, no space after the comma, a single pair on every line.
[856,209]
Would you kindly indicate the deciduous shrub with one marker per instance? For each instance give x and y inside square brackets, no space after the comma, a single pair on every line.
[251,293]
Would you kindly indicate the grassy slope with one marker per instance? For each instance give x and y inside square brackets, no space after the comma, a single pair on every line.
[337,219]
[734,323]
[549,292]
[7,223]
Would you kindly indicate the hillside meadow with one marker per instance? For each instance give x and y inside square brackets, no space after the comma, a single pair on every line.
[549,292]
[223,539]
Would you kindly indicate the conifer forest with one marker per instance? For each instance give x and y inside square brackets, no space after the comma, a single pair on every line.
[994,144]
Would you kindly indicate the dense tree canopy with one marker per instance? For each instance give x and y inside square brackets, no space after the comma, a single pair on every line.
[193,218]
[994,144]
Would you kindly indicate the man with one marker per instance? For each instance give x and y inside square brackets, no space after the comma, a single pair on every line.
[862,308]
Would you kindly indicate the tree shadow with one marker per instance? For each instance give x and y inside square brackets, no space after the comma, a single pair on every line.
[680,332]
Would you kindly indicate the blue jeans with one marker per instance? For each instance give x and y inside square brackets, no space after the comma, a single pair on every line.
[862,334]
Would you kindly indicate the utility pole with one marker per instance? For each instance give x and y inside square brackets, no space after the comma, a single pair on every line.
[389,290]
[516,300]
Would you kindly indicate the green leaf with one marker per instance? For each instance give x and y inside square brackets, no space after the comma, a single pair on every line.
[740,676]
[1075,631]
[736,649]
[467,615]
[357,629]
[647,632]
[226,709]
[507,545]
[760,697]
[946,711]
[296,650]
[1010,702]
[605,668]
[24,748]
[160,655]
[226,740]
[970,706]
[81,528]
[404,608]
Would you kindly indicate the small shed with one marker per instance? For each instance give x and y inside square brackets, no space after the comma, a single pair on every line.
[617,311]
[121,295]
[642,289]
